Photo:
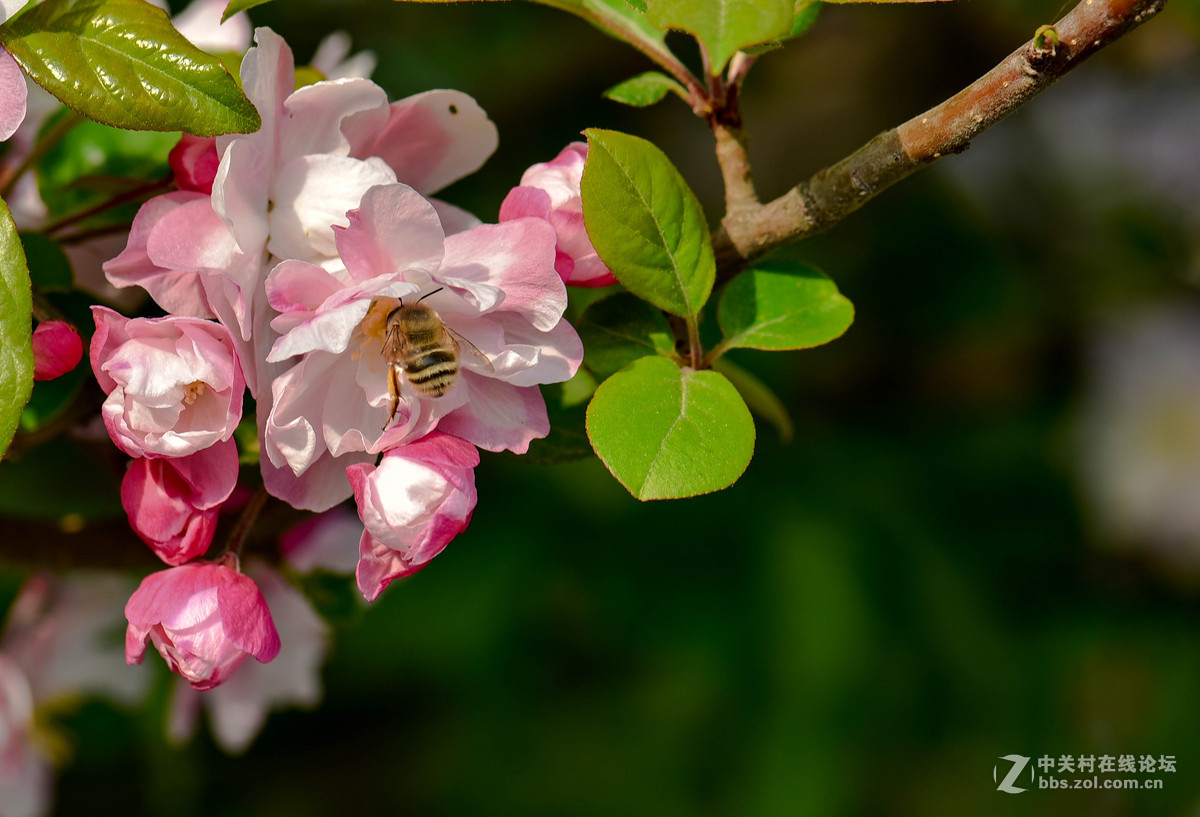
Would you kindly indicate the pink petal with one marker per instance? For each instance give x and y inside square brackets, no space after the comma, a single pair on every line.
[516,256]
[393,229]
[499,416]
[431,139]
[245,617]
[13,93]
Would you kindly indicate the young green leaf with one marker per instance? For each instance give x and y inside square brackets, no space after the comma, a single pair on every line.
[779,305]
[724,27]
[670,433]
[806,13]
[240,5]
[16,328]
[620,329]
[646,223]
[645,89]
[121,62]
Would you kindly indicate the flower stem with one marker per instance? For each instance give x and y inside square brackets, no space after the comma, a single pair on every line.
[237,537]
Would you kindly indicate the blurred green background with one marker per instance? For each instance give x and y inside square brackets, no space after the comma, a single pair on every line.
[913,587]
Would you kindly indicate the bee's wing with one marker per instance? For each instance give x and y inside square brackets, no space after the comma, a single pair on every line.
[467,351]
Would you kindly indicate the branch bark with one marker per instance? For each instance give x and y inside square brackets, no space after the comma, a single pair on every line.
[837,191]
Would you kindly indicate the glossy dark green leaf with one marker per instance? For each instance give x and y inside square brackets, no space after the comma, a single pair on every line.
[121,62]
[16,329]
[724,27]
[645,89]
[646,223]
[620,329]
[669,433]
[782,304]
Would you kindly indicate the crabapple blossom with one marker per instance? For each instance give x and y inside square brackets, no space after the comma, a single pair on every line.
[57,349]
[174,385]
[172,502]
[550,191]
[493,286]
[204,618]
[419,497]
[238,708]
[194,162]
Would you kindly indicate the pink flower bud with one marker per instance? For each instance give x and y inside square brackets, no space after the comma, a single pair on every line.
[550,191]
[205,619]
[419,498]
[172,502]
[194,162]
[174,384]
[57,349]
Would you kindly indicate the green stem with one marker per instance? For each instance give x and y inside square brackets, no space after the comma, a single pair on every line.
[695,350]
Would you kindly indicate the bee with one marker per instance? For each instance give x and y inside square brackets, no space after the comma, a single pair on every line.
[419,348]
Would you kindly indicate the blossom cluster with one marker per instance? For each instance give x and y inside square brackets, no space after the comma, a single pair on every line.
[383,337]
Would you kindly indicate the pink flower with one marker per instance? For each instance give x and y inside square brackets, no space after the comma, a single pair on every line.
[13,95]
[550,191]
[174,384]
[57,349]
[172,502]
[238,708]
[205,619]
[419,498]
[493,286]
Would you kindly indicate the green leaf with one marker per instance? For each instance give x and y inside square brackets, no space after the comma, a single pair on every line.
[621,329]
[805,17]
[669,433]
[779,305]
[759,397]
[51,398]
[646,223]
[121,62]
[887,1]
[16,329]
[49,269]
[93,163]
[240,5]
[724,27]
[645,89]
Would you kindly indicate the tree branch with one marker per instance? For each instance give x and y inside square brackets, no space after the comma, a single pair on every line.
[835,192]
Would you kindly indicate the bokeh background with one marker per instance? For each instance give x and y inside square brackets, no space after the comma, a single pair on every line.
[981,540]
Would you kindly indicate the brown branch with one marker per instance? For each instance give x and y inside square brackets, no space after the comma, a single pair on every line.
[835,192]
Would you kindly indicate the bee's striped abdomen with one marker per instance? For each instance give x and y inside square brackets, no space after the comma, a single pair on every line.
[432,370]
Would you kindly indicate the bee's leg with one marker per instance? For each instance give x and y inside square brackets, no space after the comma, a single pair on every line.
[393,392]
